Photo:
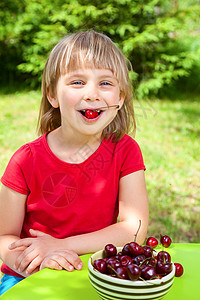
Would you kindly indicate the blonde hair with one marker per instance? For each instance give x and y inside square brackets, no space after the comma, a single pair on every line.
[88,48]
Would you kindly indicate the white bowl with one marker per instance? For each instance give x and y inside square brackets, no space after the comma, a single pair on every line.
[111,288]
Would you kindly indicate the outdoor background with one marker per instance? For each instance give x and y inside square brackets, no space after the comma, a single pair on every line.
[162,41]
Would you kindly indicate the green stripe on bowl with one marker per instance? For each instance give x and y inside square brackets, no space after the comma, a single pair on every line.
[118,294]
[114,296]
[105,297]
[112,288]
[130,291]
[150,284]
[111,298]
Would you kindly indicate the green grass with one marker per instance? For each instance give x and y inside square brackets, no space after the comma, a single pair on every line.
[168,133]
[18,120]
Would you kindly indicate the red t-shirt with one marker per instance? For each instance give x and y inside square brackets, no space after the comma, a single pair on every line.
[67,199]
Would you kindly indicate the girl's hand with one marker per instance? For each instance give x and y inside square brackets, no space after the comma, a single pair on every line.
[63,259]
[36,250]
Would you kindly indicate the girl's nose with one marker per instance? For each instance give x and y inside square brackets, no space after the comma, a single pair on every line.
[92,93]
[91,98]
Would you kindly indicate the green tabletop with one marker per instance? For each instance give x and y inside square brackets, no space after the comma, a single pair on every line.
[57,285]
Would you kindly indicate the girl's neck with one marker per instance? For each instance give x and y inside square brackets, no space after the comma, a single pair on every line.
[76,141]
[72,149]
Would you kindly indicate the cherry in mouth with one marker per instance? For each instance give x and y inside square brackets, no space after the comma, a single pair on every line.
[90,114]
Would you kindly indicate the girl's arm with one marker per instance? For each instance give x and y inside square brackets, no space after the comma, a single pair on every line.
[133,206]
[12,210]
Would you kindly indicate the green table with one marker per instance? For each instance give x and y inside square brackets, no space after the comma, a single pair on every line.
[57,285]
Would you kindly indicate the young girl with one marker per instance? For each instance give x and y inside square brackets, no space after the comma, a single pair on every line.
[62,193]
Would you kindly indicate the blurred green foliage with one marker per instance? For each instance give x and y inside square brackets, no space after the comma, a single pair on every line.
[159,37]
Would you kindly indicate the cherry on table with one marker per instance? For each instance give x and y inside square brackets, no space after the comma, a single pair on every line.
[165,240]
[178,269]
[152,242]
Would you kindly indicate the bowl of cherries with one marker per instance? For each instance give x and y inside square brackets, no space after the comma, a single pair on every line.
[133,271]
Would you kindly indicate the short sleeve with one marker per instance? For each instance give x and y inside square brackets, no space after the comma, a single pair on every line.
[131,157]
[18,171]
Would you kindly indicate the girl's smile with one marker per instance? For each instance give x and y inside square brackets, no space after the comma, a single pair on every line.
[84,97]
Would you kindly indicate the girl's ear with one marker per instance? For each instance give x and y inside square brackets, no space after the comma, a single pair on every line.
[121,99]
[52,100]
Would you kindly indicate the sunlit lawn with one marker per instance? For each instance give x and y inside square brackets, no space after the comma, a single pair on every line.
[170,136]
[168,133]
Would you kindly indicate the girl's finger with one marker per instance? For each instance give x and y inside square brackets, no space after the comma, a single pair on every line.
[51,264]
[63,262]
[37,233]
[24,259]
[73,259]
[21,243]
[33,265]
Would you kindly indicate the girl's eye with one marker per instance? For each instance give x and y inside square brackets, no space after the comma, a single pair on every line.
[105,83]
[77,82]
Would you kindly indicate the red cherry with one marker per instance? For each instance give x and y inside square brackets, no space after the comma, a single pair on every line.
[178,269]
[164,257]
[152,242]
[163,268]
[125,260]
[135,249]
[148,272]
[112,263]
[139,259]
[134,272]
[91,114]
[100,265]
[148,251]
[165,240]
[121,272]
[126,250]
[110,250]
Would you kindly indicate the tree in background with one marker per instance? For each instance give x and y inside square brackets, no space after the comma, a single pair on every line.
[157,36]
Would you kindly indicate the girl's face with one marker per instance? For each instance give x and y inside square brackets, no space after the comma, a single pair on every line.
[81,94]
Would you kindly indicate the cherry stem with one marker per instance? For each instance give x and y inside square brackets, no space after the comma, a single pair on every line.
[147,259]
[107,107]
[110,267]
[153,283]
[140,222]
